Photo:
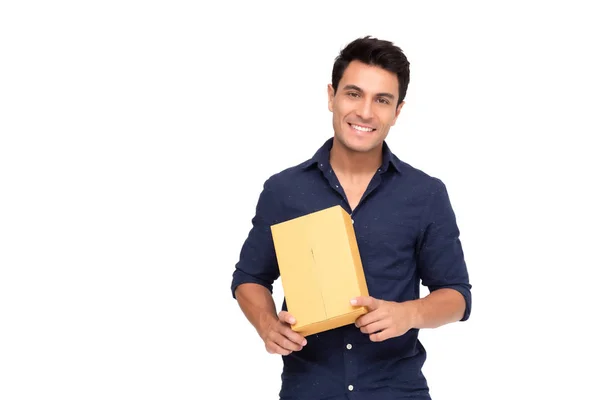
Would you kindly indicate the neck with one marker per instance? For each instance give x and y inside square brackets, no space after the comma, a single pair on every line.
[353,163]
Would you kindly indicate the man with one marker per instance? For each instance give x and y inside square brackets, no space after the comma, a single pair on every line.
[406,232]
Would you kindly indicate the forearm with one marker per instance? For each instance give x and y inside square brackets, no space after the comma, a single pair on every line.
[257,305]
[440,307]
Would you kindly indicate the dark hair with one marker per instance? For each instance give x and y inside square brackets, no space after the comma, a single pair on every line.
[372,51]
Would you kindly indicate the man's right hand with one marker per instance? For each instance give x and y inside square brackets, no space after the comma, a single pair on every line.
[279,337]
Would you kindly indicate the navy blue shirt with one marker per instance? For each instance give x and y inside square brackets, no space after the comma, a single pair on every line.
[407,235]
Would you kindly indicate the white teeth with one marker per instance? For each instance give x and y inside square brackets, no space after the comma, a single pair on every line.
[362,129]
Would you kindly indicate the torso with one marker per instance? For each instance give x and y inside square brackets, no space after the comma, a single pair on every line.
[353,191]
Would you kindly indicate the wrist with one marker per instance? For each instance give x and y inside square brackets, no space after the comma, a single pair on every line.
[265,321]
[416,314]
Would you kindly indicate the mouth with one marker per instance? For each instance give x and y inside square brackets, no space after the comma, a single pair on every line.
[362,128]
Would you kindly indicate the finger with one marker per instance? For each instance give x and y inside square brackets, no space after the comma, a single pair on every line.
[289,344]
[381,336]
[369,318]
[282,340]
[365,301]
[285,331]
[294,337]
[375,327]
[285,316]
[274,348]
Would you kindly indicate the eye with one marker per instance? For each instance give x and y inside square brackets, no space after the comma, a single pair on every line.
[353,94]
[383,100]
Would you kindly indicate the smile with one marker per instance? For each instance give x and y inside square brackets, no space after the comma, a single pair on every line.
[362,128]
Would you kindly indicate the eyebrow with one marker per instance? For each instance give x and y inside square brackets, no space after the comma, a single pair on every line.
[384,94]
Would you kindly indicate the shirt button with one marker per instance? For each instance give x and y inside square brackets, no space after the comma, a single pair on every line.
[353,221]
[349,346]
[350,387]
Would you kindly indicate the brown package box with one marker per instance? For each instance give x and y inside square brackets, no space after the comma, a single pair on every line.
[320,269]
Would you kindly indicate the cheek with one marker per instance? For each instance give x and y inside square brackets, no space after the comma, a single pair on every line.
[339,113]
[343,110]
[387,118]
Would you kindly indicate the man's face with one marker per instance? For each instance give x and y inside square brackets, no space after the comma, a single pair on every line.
[364,107]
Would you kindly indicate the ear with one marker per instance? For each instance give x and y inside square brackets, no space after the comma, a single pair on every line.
[330,96]
[397,112]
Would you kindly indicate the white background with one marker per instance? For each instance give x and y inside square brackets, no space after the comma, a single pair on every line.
[135,138]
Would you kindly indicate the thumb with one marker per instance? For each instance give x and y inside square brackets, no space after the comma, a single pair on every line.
[365,301]
[285,316]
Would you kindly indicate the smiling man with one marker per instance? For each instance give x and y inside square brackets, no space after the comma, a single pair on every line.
[406,232]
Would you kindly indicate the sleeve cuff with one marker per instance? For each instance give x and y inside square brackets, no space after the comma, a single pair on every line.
[465,290]
[240,277]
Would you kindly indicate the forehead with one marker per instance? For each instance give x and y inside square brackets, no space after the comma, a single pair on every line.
[370,78]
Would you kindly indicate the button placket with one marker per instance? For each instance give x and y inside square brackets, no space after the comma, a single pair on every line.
[350,360]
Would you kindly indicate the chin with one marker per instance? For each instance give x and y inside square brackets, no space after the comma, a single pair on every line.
[360,146]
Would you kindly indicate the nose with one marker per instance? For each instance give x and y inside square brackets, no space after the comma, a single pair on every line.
[365,110]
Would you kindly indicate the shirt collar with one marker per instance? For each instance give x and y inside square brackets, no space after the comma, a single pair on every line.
[321,158]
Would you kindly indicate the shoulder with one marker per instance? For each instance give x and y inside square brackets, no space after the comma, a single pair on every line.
[430,191]
[280,180]
[418,178]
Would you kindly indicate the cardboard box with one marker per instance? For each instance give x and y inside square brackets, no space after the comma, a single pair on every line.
[320,269]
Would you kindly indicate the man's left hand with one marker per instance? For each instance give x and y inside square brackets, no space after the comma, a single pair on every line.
[384,319]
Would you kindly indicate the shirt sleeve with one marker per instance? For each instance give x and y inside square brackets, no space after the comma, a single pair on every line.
[257,261]
[441,260]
